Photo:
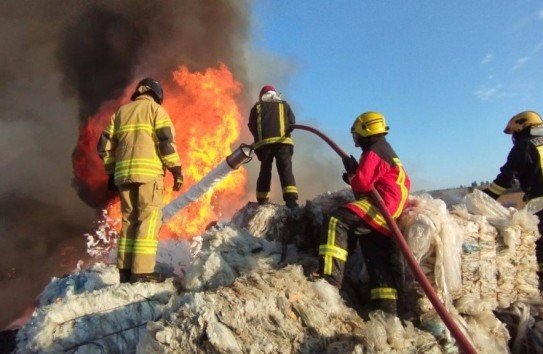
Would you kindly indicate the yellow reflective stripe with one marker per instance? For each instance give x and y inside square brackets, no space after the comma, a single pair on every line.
[110,129]
[262,194]
[370,210]
[134,127]
[384,293]
[281,119]
[400,181]
[137,171]
[137,250]
[152,229]
[140,162]
[331,240]
[540,151]
[283,140]
[139,242]
[138,246]
[334,251]
[290,189]
[171,158]
[496,189]
[259,121]
[145,167]
[162,122]
[330,250]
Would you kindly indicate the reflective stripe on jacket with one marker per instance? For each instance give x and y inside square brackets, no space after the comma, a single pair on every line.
[269,121]
[139,142]
[379,168]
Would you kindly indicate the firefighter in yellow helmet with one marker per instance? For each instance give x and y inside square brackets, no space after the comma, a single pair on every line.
[523,164]
[361,221]
[137,146]
[269,122]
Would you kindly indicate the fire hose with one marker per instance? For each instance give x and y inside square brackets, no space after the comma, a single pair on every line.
[464,344]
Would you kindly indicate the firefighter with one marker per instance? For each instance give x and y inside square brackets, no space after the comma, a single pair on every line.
[269,122]
[361,220]
[523,164]
[136,147]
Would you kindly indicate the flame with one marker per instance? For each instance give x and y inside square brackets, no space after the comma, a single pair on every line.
[207,122]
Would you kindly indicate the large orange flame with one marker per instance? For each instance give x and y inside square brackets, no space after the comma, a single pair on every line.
[207,123]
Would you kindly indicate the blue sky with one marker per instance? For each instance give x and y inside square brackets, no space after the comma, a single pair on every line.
[447,75]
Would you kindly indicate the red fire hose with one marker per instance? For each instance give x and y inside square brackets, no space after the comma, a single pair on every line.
[461,339]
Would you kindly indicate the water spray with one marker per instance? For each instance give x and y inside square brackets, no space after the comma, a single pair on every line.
[464,344]
[242,155]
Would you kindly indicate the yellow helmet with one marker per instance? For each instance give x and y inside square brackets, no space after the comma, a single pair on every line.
[369,123]
[522,121]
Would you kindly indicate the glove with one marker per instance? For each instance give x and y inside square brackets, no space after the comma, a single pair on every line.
[177,178]
[346,178]
[111,183]
[490,193]
[350,164]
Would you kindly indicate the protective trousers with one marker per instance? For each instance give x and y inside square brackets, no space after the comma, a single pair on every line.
[141,207]
[338,241]
[282,153]
[539,244]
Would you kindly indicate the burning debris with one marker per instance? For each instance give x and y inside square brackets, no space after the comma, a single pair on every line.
[230,294]
[68,62]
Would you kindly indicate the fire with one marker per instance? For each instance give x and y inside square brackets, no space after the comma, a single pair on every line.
[207,123]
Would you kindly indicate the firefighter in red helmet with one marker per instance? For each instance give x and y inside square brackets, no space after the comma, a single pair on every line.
[269,122]
[137,146]
[524,164]
[361,221]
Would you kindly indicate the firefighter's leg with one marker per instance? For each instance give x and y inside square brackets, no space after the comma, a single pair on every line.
[539,249]
[149,221]
[263,183]
[128,194]
[377,251]
[334,248]
[283,160]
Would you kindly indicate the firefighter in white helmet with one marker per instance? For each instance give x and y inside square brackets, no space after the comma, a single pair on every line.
[523,164]
[361,221]
[137,146]
[269,122]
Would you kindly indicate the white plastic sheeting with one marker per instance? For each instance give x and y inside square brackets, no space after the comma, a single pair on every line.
[232,297]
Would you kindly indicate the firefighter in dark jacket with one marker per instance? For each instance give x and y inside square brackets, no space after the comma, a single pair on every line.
[269,122]
[361,220]
[137,147]
[523,164]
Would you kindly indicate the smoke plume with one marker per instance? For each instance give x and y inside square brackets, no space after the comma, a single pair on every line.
[62,60]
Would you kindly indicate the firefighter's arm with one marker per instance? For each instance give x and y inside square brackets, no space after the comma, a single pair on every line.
[252,122]
[165,135]
[517,160]
[366,174]
[106,147]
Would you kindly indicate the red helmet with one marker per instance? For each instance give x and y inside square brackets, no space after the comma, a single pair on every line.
[266,89]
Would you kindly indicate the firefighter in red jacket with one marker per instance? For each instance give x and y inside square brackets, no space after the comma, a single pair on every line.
[523,164]
[269,122]
[379,167]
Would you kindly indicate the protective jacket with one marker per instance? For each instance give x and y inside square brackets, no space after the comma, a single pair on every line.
[523,163]
[269,121]
[139,142]
[380,168]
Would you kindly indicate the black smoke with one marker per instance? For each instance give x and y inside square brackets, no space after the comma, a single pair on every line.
[60,61]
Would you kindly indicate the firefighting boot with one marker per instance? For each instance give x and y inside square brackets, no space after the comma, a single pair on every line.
[124,275]
[262,201]
[388,306]
[154,277]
